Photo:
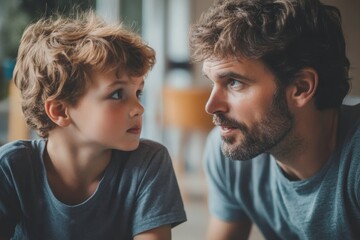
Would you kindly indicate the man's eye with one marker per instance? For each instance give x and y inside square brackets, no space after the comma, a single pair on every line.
[118,94]
[235,84]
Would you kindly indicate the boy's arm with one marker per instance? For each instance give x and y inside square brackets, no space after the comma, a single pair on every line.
[222,230]
[160,233]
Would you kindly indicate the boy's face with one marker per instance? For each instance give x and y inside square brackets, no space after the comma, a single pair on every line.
[109,115]
[248,106]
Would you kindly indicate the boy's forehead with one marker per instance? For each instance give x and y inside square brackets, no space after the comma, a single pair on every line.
[110,71]
[115,77]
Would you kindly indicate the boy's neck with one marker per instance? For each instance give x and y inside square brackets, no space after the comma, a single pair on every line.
[74,172]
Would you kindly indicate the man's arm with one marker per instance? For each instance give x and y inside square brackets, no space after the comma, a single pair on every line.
[221,230]
[160,233]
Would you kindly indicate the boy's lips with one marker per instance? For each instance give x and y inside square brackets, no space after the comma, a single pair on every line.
[135,129]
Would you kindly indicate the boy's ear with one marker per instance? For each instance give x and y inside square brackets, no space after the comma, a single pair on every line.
[57,112]
[303,89]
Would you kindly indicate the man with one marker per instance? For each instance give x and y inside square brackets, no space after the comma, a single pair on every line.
[285,154]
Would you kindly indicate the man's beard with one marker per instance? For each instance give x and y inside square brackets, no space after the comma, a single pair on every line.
[263,135]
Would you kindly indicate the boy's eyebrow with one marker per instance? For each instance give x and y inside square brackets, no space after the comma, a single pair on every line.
[142,84]
[122,82]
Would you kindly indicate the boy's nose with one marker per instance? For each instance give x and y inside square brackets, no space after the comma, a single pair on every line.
[137,110]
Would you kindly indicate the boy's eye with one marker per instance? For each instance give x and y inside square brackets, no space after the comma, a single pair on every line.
[118,94]
[139,93]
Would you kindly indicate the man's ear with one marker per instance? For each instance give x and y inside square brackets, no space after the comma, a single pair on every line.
[303,89]
[57,111]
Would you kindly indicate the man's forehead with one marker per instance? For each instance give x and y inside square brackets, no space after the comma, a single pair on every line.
[215,62]
[219,63]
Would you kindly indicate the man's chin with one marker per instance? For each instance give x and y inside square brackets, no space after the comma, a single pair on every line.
[237,152]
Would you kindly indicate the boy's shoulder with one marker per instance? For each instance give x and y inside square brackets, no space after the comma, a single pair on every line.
[19,151]
[150,145]
[148,151]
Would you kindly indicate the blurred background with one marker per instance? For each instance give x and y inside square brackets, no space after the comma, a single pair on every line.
[175,91]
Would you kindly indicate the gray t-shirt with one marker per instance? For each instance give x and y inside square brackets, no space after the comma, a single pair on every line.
[138,192]
[325,206]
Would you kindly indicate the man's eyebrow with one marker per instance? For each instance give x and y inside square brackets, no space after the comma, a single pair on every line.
[230,74]
[204,74]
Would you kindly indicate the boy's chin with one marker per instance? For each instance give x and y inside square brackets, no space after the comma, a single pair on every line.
[129,147]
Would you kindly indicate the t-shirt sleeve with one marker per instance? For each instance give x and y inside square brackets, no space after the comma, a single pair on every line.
[158,199]
[8,201]
[220,175]
[355,168]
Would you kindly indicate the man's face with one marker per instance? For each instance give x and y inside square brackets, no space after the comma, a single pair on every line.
[247,105]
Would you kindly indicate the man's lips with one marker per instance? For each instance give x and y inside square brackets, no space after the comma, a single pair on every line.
[224,125]
[227,129]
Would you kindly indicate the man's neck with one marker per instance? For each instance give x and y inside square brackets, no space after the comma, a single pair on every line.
[308,147]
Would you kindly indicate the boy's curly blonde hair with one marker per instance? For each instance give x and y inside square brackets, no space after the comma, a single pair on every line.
[57,54]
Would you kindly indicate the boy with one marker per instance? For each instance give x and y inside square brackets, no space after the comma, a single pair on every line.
[89,177]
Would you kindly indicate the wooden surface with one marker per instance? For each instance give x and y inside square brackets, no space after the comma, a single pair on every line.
[185,108]
[17,126]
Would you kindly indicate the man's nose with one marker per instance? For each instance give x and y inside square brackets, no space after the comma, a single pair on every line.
[216,102]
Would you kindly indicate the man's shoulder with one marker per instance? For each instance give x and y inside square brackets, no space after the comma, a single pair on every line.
[349,141]
[350,114]
[349,126]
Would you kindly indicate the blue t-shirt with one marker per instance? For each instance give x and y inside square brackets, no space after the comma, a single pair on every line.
[325,206]
[138,192]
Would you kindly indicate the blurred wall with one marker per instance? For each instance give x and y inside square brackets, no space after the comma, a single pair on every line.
[351,24]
